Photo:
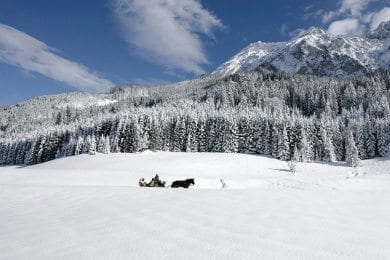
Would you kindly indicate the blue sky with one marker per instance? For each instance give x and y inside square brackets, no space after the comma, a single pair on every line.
[49,47]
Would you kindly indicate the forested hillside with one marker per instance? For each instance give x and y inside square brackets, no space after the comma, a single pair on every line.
[261,112]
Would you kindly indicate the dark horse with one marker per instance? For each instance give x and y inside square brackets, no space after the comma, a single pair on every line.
[183,184]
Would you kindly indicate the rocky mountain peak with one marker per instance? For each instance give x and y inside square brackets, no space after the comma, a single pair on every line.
[316,52]
[380,33]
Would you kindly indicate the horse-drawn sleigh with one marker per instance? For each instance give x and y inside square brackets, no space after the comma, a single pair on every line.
[156,182]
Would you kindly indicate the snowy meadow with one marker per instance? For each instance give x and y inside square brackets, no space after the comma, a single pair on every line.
[91,207]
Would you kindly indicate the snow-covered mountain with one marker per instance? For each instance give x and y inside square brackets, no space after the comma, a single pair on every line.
[316,52]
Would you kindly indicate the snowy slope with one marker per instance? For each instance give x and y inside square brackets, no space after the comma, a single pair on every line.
[316,52]
[90,207]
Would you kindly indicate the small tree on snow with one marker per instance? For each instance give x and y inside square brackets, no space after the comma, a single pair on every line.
[292,166]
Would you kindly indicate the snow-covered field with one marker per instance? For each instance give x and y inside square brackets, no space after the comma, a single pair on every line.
[91,207]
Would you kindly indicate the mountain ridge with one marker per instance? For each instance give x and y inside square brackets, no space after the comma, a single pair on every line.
[316,52]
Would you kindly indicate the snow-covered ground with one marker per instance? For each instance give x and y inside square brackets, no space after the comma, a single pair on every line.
[91,207]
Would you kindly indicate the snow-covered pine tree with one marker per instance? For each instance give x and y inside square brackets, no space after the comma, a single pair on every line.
[100,144]
[79,145]
[230,138]
[40,150]
[156,142]
[202,136]
[191,138]
[267,139]
[86,144]
[179,135]
[306,151]
[92,145]
[351,151]
[31,154]
[274,141]
[328,148]
[259,139]
[360,140]
[107,147]
[370,137]
[283,145]
[383,137]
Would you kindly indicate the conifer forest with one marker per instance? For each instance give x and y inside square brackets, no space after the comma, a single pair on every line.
[284,116]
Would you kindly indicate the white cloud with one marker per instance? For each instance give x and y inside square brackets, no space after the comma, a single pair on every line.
[19,49]
[378,18]
[349,26]
[353,18]
[353,7]
[167,32]
[329,16]
[349,8]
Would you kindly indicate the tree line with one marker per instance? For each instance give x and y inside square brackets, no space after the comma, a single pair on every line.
[273,114]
